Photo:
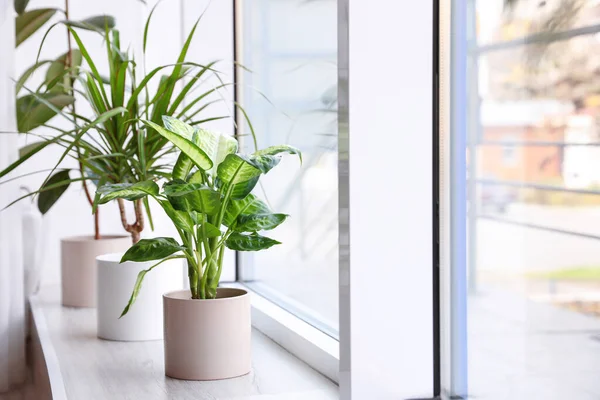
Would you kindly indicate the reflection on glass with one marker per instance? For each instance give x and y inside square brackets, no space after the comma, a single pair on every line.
[533,326]
[290,47]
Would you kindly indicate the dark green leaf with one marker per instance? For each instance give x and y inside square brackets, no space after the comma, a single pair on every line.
[152,249]
[181,219]
[29,22]
[210,231]
[138,283]
[127,191]
[48,197]
[237,241]
[236,169]
[243,189]
[250,205]
[33,112]
[259,222]
[20,6]
[192,197]
[98,23]
[58,67]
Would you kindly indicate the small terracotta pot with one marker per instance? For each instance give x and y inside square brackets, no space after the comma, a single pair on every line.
[78,266]
[207,339]
[144,321]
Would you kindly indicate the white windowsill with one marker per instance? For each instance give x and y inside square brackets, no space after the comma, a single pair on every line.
[78,365]
[303,340]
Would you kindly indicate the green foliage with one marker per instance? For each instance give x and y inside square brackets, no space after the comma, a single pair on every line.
[207,206]
[121,149]
[53,189]
[27,23]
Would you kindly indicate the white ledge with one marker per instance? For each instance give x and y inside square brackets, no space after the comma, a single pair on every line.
[81,366]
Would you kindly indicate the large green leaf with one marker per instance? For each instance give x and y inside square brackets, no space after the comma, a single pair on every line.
[179,127]
[20,6]
[98,23]
[268,158]
[33,112]
[249,205]
[48,197]
[259,222]
[189,148]
[210,231]
[236,169]
[276,150]
[192,197]
[217,146]
[181,219]
[237,241]
[127,191]
[241,172]
[56,70]
[29,22]
[152,249]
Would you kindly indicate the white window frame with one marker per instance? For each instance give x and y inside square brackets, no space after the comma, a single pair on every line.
[379,357]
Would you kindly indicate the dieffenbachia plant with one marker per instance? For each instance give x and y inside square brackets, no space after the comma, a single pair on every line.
[209,200]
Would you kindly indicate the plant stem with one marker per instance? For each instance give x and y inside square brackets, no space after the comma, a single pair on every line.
[138,226]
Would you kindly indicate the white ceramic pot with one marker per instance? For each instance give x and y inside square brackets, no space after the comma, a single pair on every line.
[144,321]
[78,266]
[207,339]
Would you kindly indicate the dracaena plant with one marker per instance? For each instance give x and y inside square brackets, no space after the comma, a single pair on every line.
[110,145]
[210,202]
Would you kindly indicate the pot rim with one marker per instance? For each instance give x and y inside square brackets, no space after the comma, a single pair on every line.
[170,296]
[90,238]
[112,258]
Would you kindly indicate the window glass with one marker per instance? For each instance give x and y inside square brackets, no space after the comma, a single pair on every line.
[532,323]
[289,92]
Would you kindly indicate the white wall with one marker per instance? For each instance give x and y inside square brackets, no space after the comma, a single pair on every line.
[72,214]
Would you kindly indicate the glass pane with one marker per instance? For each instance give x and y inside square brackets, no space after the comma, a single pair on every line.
[499,23]
[532,325]
[290,96]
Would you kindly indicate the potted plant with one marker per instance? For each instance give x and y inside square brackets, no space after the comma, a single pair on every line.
[111,146]
[209,200]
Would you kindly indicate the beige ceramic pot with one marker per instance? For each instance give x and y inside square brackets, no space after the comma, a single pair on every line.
[78,266]
[207,339]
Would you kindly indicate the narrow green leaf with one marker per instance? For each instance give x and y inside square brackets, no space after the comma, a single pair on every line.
[259,222]
[152,249]
[48,197]
[27,74]
[28,154]
[29,148]
[147,26]
[127,191]
[138,283]
[190,149]
[29,22]
[237,241]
